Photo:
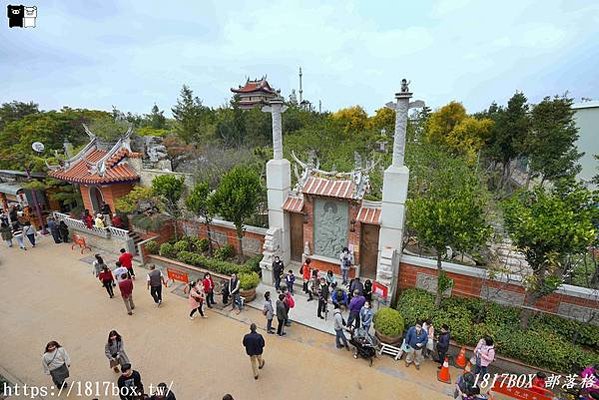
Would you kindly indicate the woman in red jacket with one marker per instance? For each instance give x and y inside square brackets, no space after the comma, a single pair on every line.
[107,280]
[208,284]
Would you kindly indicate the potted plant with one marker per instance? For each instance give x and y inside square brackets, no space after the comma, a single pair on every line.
[248,282]
[388,326]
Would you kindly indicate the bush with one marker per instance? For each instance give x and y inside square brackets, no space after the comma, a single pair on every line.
[202,245]
[248,280]
[225,252]
[218,266]
[167,250]
[389,322]
[181,245]
[152,247]
[254,263]
[415,305]
[547,343]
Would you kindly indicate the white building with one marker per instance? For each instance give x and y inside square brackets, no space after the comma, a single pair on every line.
[587,121]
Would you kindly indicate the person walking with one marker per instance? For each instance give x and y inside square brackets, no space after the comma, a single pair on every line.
[30,232]
[130,384]
[56,363]
[345,262]
[63,231]
[126,260]
[114,350]
[126,288]
[306,272]
[281,315]
[366,315]
[209,289]
[290,281]
[484,355]
[98,265]
[196,299]
[254,347]
[119,271]
[234,287]
[269,312]
[277,272]
[107,280]
[323,297]
[355,305]
[53,228]
[416,339]
[6,234]
[338,324]
[155,281]
[443,344]
[17,233]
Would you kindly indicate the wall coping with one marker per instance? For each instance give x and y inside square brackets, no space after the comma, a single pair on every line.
[565,289]
[227,224]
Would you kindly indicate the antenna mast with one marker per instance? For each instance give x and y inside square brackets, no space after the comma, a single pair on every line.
[301,91]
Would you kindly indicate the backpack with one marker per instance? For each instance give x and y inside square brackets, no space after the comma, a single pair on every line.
[290,301]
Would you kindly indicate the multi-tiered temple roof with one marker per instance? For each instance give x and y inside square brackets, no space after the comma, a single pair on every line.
[254,93]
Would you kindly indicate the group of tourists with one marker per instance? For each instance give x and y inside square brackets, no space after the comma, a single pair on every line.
[103,218]
[56,363]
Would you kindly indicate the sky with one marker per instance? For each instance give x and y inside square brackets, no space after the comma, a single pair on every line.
[132,54]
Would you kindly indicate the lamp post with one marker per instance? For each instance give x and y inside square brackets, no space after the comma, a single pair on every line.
[38,147]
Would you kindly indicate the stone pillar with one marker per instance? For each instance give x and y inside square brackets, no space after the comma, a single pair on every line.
[278,185]
[395,192]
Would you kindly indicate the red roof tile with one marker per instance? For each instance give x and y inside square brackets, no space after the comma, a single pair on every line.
[369,215]
[80,172]
[294,204]
[255,86]
[343,189]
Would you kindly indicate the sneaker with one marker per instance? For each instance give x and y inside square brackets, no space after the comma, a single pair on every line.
[191,317]
[256,377]
[159,302]
[130,313]
[271,332]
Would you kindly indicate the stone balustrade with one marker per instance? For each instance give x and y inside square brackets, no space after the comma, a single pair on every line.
[79,225]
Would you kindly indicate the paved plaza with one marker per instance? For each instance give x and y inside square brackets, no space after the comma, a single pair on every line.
[49,293]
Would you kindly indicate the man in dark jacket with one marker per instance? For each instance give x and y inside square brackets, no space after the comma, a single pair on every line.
[416,339]
[323,298]
[277,271]
[443,343]
[281,314]
[254,346]
[129,383]
[356,285]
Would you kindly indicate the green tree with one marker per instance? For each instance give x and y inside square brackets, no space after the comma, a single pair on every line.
[15,110]
[156,118]
[170,189]
[509,134]
[383,118]
[237,198]
[108,128]
[353,119]
[548,226]
[131,202]
[552,146]
[190,116]
[200,202]
[449,213]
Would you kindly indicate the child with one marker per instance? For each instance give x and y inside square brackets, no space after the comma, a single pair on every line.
[289,281]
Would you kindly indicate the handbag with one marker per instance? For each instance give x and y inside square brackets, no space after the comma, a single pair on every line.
[114,362]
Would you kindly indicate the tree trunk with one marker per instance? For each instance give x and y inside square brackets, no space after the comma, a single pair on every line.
[240,244]
[175,229]
[209,234]
[529,301]
[439,295]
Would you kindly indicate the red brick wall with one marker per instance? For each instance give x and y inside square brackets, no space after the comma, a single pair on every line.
[230,233]
[110,193]
[470,286]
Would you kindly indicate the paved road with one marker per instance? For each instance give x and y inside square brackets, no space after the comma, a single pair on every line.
[48,293]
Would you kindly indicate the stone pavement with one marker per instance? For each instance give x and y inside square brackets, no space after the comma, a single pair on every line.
[48,293]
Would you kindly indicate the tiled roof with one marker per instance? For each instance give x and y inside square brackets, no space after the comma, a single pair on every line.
[254,86]
[343,189]
[369,215]
[81,172]
[294,204]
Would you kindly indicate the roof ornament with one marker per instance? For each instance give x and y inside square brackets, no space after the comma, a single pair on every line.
[89,133]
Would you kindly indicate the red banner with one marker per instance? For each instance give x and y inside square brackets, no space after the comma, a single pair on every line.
[518,393]
[380,290]
[177,275]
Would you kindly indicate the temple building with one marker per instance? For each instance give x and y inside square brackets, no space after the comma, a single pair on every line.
[103,173]
[254,93]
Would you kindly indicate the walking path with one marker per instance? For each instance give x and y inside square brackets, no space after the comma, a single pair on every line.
[49,293]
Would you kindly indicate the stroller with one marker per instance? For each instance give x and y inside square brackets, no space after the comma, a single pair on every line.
[365,344]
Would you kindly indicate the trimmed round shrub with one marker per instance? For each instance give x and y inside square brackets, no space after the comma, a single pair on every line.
[152,247]
[167,250]
[181,245]
[248,280]
[389,322]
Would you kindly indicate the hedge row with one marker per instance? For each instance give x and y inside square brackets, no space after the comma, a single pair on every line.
[546,344]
